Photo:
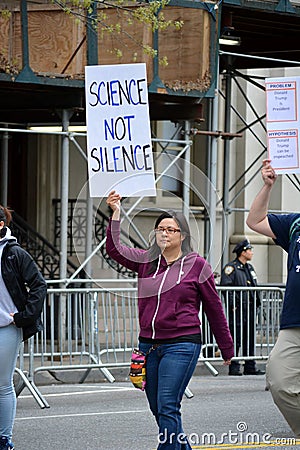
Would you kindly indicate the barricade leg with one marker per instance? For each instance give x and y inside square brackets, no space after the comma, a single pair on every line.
[105,372]
[32,388]
[27,378]
[188,393]
[211,368]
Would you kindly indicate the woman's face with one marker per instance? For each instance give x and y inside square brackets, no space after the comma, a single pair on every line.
[168,235]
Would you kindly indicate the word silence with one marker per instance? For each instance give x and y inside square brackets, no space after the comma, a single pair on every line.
[121,159]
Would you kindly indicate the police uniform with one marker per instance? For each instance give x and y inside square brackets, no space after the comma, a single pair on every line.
[241,311]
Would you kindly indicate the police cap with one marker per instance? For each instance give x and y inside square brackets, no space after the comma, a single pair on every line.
[241,246]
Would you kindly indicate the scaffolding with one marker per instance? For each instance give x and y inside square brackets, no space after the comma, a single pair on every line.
[230,193]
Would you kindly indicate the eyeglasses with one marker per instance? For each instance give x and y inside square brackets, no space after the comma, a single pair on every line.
[168,230]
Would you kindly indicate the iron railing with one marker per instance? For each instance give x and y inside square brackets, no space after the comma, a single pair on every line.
[77,232]
[42,251]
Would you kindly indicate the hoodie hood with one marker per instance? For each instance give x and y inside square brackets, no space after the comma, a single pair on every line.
[7,305]
[6,236]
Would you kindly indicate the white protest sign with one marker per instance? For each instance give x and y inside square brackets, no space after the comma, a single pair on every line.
[283,123]
[118,131]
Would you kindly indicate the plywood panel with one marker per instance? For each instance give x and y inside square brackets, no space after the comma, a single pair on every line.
[54,37]
[4,35]
[188,50]
[129,42]
[9,62]
[55,44]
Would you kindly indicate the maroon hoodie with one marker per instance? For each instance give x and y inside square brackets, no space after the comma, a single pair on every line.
[169,298]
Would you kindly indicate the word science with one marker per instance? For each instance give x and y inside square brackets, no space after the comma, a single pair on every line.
[118,131]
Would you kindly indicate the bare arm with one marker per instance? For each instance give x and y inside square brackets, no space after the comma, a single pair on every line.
[257,218]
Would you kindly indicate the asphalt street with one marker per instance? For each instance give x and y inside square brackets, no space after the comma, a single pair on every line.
[224,413]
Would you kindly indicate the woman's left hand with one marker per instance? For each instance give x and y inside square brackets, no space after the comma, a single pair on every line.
[114,200]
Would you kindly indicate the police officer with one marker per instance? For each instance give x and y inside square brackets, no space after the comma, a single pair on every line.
[242,306]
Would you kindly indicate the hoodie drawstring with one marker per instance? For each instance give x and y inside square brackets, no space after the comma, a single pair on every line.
[157,268]
[181,272]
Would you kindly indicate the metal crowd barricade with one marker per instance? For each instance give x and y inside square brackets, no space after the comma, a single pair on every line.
[84,328]
[253,310]
[96,328]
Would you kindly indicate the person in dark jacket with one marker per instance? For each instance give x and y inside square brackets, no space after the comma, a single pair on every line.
[242,306]
[172,282]
[22,294]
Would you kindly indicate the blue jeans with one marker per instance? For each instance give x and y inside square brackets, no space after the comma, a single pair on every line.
[10,340]
[169,370]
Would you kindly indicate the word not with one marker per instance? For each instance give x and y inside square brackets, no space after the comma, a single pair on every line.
[117,128]
[120,159]
[116,93]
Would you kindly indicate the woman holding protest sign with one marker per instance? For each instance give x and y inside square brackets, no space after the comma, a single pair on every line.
[172,282]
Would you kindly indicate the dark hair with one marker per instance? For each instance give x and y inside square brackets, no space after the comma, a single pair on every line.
[186,247]
[5,215]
